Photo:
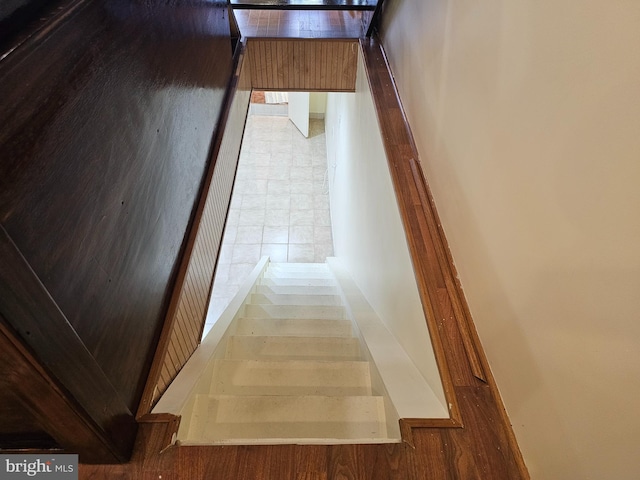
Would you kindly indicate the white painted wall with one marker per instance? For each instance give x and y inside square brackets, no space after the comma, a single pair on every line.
[299,111]
[527,117]
[317,104]
[367,231]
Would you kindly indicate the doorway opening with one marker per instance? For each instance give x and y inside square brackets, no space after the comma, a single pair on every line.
[280,201]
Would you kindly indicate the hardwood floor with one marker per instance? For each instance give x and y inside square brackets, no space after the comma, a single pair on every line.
[306,4]
[471,453]
[300,23]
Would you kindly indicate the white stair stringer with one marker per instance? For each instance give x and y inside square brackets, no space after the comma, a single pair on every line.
[288,370]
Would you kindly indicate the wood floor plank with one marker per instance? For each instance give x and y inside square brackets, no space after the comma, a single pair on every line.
[390,462]
[311,476]
[207,462]
[485,435]
[266,462]
[345,462]
[427,459]
[298,24]
[312,460]
[314,5]
[97,472]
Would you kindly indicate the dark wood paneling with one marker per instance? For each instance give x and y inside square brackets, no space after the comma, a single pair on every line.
[106,136]
[280,64]
[20,15]
[37,25]
[105,141]
[18,427]
[187,314]
[45,404]
[34,319]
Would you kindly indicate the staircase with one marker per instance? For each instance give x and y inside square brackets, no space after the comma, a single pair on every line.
[291,370]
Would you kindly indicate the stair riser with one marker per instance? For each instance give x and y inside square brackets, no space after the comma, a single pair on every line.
[295,311]
[293,348]
[227,432]
[254,377]
[300,282]
[295,290]
[275,299]
[222,417]
[299,267]
[320,328]
[275,273]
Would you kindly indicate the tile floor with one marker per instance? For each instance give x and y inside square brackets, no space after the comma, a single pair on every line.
[279,207]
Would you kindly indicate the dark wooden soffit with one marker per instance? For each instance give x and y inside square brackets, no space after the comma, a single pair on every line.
[440,290]
[35,321]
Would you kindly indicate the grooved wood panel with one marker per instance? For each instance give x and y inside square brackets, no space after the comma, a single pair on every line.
[193,301]
[282,64]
